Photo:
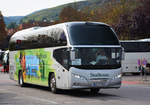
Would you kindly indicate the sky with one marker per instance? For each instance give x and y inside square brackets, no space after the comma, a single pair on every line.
[25,7]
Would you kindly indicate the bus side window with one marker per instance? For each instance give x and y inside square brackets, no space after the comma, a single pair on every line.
[61,56]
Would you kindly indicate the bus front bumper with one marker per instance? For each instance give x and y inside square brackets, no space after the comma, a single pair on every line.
[99,83]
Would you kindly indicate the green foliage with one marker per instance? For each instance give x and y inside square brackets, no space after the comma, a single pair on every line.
[3,32]
[47,14]
[53,13]
[129,18]
[114,10]
[12,25]
[133,22]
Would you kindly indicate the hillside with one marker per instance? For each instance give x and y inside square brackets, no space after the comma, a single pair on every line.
[53,13]
[11,19]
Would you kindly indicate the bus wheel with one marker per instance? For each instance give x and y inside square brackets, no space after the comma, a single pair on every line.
[20,79]
[53,84]
[95,90]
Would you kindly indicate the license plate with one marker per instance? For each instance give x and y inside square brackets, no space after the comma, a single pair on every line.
[99,83]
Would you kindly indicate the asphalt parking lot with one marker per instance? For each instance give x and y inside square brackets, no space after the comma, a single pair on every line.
[133,91]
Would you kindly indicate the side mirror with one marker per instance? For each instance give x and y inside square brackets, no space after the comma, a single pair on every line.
[72,55]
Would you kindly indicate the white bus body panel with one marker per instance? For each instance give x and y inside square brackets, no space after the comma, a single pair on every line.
[12,64]
[130,63]
[62,81]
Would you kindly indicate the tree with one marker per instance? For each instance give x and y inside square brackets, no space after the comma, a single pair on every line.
[3,32]
[12,25]
[141,19]
[119,15]
[135,24]
[70,14]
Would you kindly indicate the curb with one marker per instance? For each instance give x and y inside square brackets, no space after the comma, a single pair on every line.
[136,82]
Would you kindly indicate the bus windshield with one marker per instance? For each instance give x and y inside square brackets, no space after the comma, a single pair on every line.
[84,34]
[97,58]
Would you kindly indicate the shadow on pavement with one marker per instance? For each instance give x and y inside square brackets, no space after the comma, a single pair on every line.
[82,93]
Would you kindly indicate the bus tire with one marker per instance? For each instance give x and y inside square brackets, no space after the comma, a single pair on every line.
[95,90]
[52,83]
[20,79]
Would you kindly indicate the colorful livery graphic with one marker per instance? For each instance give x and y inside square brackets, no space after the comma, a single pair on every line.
[73,55]
[33,64]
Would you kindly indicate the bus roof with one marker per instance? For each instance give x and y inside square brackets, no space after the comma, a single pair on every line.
[147,39]
[135,40]
[24,34]
[86,22]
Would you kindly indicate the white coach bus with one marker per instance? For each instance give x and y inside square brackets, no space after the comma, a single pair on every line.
[134,50]
[67,56]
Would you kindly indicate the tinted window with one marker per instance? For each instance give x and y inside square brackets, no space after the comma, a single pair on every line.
[136,46]
[62,56]
[51,38]
[85,34]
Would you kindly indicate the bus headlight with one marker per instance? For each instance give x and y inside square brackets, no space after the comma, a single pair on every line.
[78,76]
[117,76]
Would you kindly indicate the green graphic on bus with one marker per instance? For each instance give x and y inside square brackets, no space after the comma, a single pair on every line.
[35,65]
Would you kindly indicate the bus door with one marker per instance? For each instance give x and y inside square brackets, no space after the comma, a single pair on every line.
[62,58]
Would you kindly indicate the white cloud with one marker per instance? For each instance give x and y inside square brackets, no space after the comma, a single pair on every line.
[24,7]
